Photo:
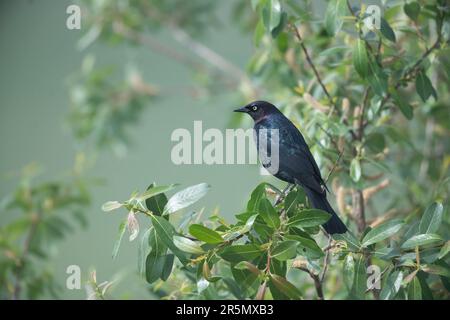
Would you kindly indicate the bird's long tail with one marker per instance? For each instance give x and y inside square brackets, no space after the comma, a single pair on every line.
[319,201]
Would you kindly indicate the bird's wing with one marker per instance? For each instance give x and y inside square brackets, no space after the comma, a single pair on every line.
[294,140]
[299,163]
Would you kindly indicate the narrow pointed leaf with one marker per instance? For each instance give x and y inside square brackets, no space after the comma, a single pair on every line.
[111,205]
[156,203]
[414,290]
[392,286]
[151,192]
[360,59]
[268,213]
[421,240]
[431,219]
[187,245]
[243,252]
[205,234]
[186,197]
[285,250]
[309,218]
[154,265]
[122,228]
[285,287]
[165,231]
[382,232]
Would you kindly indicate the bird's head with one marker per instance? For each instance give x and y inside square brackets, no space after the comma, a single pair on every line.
[258,110]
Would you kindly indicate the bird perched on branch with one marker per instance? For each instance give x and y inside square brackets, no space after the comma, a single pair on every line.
[285,154]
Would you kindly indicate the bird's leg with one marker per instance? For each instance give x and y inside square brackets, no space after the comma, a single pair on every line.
[283,194]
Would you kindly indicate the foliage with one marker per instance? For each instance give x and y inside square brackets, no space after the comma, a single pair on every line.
[256,257]
[373,105]
[102,110]
[39,215]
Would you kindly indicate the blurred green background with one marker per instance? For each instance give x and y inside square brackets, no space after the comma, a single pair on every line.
[38,56]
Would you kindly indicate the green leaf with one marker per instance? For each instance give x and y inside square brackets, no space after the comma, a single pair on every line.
[242,252]
[414,290]
[268,213]
[382,232]
[156,203]
[444,250]
[352,242]
[333,51]
[432,218]
[412,10]
[360,58]
[234,288]
[376,142]
[440,270]
[420,240]
[377,79]
[153,191]
[154,266]
[360,279]
[155,243]
[167,268]
[392,286]
[143,251]
[271,14]
[355,169]
[186,197]
[111,205]
[349,271]
[404,107]
[257,194]
[386,30]
[291,201]
[334,14]
[187,245]
[285,250]
[309,218]
[165,232]
[259,33]
[277,32]
[424,87]
[306,245]
[285,287]
[245,265]
[248,224]
[205,234]
[245,278]
[122,228]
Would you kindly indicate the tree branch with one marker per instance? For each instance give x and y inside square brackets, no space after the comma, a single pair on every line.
[21,261]
[317,282]
[317,75]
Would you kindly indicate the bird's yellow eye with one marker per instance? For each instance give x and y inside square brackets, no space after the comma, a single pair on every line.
[254,108]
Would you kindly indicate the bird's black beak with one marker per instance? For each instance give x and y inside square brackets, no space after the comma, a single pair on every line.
[243,109]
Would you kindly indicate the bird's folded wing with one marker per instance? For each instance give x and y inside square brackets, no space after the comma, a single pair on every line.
[299,163]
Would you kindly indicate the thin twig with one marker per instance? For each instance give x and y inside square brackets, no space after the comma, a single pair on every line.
[325,260]
[334,166]
[317,75]
[313,67]
[314,277]
[360,129]
[21,261]
[283,194]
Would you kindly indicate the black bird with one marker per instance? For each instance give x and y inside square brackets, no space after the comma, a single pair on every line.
[296,164]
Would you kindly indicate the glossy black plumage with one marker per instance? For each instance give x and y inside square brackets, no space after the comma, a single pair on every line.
[296,164]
